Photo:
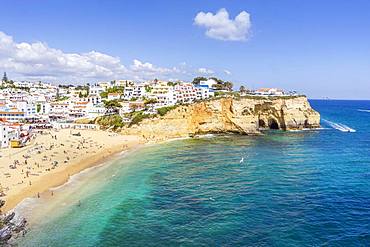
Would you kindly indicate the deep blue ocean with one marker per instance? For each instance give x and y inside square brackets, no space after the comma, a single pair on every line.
[304,188]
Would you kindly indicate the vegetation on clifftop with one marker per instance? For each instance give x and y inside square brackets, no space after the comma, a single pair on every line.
[110,121]
[139,116]
[220,84]
[163,110]
[115,89]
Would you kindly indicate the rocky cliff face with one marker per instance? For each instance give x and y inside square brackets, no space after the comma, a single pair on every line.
[246,115]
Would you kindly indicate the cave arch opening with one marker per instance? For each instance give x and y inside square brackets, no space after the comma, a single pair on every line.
[261,124]
[273,124]
[306,124]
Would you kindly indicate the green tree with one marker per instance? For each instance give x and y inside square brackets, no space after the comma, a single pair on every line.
[198,79]
[104,95]
[219,81]
[114,89]
[148,89]
[228,85]
[218,87]
[114,121]
[163,110]
[150,101]
[112,105]
[38,108]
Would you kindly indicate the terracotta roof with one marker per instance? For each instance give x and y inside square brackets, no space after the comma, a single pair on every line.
[11,112]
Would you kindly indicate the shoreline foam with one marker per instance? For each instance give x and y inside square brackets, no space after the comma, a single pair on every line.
[28,205]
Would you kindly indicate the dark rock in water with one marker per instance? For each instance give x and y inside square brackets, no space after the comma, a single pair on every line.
[8,218]
[11,228]
[5,235]
[21,226]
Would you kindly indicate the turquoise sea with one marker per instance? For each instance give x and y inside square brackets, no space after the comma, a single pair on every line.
[305,188]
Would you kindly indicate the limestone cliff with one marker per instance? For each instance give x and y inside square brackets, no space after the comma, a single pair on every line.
[245,115]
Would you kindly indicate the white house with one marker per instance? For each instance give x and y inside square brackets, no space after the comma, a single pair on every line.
[203,92]
[95,99]
[269,91]
[139,90]
[209,83]
[114,96]
[128,93]
[12,116]
[96,90]
[8,132]
[185,92]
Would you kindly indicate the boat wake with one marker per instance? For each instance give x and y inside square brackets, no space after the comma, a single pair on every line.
[339,126]
[363,110]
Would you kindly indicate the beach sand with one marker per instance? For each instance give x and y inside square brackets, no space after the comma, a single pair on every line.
[51,158]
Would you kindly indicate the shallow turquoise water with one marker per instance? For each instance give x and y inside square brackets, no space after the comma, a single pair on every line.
[309,188]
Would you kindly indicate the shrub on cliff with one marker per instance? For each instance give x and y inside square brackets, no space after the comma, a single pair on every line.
[163,110]
[114,121]
[137,117]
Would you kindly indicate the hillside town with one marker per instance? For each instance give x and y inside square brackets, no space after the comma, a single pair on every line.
[28,106]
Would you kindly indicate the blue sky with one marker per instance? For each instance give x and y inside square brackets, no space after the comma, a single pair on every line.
[320,48]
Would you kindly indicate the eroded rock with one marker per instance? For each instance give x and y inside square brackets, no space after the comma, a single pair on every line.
[246,115]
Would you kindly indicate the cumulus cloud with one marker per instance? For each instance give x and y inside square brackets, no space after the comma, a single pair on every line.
[220,26]
[38,61]
[205,71]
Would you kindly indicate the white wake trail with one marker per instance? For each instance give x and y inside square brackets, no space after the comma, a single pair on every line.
[363,110]
[339,126]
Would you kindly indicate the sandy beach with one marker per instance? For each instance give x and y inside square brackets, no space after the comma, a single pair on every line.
[51,158]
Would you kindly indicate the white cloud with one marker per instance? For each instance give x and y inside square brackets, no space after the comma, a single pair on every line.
[205,71]
[38,61]
[227,72]
[148,68]
[220,26]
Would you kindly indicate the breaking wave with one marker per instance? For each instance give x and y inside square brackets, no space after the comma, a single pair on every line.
[339,126]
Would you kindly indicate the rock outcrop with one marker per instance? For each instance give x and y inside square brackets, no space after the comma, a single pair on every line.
[244,115]
[10,226]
